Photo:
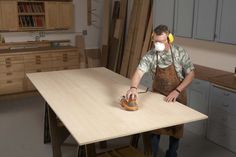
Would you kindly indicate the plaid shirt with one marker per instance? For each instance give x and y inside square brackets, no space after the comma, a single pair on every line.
[182,62]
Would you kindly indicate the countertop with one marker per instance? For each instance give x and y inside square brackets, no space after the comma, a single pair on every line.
[34,50]
[219,77]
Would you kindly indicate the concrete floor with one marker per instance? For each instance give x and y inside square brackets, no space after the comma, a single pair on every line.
[21,133]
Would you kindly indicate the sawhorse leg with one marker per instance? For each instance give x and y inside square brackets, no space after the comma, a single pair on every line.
[88,150]
[54,133]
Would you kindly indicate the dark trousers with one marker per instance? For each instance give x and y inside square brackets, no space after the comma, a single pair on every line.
[173,145]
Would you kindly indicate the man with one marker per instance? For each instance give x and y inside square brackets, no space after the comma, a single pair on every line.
[172,72]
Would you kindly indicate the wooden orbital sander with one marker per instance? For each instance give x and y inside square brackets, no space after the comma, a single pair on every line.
[130,104]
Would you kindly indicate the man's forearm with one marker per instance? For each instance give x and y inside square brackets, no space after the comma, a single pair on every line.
[136,78]
[187,80]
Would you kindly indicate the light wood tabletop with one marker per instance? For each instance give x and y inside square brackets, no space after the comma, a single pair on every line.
[87,102]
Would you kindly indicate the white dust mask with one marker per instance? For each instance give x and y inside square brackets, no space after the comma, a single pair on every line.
[159,46]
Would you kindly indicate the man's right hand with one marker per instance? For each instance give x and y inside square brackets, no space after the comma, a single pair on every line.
[133,93]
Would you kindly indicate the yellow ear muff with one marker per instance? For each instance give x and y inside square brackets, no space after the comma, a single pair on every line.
[171,38]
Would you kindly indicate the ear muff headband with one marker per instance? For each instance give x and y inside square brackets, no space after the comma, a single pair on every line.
[170,37]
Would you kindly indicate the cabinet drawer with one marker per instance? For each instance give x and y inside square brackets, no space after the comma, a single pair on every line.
[198,127]
[222,135]
[39,65]
[64,54]
[224,100]
[37,57]
[28,84]
[13,59]
[223,94]
[2,60]
[199,84]
[65,67]
[11,86]
[223,117]
[11,75]
[4,68]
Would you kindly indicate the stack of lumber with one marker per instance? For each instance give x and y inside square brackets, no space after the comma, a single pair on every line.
[122,50]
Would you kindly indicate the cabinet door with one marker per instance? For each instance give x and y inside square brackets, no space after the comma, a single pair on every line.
[184,12]
[164,13]
[205,19]
[66,15]
[197,98]
[52,17]
[9,20]
[226,21]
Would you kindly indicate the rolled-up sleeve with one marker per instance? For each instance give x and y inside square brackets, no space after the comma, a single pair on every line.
[187,63]
[145,62]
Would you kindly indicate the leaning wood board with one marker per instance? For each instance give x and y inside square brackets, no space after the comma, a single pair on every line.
[87,102]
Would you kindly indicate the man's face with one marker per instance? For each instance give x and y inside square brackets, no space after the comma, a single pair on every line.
[162,39]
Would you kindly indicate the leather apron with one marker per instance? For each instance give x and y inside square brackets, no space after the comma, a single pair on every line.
[165,81]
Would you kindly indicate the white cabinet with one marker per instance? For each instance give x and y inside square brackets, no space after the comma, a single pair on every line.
[211,20]
[197,98]
[205,19]
[222,117]
[184,12]
[226,21]
[164,13]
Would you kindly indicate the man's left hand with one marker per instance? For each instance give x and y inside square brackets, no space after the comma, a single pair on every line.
[172,96]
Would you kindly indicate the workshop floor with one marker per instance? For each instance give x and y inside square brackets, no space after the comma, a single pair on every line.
[21,133]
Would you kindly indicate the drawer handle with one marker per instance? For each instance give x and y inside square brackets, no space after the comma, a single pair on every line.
[226,105]
[38,62]
[8,65]
[38,70]
[9,81]
[8,59]
[224,119]
[226,94]
[9,73]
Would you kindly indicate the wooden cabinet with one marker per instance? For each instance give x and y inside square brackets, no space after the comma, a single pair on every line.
[197,98]
[8,16]
[13,68]
[222,117]
[164,13]
[31,15]
[66,16]
[184,12]
[11,74]
[59,15]
[35,15]
[65,60]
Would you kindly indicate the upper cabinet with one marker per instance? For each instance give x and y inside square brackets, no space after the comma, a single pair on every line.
[164,13]
[8,16]
[184,12]
[31,15]
[226,21]
[35,15]
[211,20]
[66,15]
[59,15]
[205,19]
